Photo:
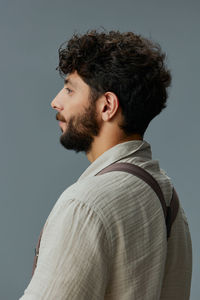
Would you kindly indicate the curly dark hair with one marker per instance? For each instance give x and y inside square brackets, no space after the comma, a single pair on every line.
[126,64]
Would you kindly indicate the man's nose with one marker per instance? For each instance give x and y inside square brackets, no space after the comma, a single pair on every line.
[56,103]
[53,103]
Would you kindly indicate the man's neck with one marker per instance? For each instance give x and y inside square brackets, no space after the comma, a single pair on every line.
[101,145]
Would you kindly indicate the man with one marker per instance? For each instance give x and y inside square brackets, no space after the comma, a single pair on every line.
[105,237]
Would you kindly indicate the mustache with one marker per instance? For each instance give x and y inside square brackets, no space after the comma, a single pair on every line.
[59,118]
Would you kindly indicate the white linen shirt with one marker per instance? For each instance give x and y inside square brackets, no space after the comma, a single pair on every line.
[105,237]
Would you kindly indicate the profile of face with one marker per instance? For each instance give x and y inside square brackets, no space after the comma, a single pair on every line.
[77,114]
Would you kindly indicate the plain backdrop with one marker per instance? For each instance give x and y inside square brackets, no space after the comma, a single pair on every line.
[34,167]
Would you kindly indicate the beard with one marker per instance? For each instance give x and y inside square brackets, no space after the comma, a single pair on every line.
[81,130]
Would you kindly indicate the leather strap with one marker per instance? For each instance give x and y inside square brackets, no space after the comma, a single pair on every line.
[37,252]
[170,212]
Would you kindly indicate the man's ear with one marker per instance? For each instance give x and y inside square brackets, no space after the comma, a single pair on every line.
[109,106]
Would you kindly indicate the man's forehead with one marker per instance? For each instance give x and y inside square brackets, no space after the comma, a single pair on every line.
[70,80]
[74,80]
[73,76]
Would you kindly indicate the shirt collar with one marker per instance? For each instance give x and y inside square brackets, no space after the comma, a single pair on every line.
[132,148]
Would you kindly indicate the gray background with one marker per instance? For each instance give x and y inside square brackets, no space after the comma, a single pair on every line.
[35,168]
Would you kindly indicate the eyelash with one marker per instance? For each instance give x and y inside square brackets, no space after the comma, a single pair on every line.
[68,90]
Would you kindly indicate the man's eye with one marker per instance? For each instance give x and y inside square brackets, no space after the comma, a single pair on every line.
[69,91]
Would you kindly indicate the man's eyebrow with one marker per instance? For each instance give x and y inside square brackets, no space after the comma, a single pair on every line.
[66,81]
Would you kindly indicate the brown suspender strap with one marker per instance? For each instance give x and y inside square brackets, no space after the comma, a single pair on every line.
[171,211]
[37,252]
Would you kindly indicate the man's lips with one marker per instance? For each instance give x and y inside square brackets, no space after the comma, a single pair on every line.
[60,119]
[61,122]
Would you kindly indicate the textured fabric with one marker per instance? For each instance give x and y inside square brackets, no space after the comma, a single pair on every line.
[105,237]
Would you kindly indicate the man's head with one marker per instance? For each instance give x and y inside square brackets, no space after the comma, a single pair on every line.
[77,113]
[121,69]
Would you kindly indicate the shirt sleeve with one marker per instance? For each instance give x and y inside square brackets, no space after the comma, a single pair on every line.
[73,261]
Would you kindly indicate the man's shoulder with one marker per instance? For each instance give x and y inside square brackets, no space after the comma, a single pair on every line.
[98,191]
[91,188]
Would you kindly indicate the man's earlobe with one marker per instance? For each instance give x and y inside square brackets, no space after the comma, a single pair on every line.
[105,115]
